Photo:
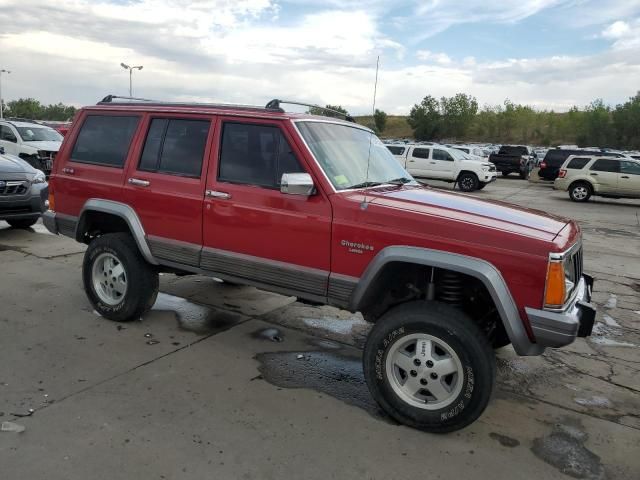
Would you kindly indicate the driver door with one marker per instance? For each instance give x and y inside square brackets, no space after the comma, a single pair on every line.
[251,230]
[442,164]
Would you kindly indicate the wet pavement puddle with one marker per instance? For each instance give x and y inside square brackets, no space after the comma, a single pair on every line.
[331,372]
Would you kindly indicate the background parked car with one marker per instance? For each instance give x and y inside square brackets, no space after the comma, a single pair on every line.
[584,176]
[35,143]
[514,159]
[553,160]
[471,150]
[23,191]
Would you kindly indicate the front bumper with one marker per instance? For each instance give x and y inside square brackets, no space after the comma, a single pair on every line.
[557,329]
[30,205]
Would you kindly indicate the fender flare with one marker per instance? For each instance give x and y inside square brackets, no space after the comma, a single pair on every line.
[474,267]
[123,211]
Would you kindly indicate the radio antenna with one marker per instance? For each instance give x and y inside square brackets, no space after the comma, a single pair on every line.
[373,113]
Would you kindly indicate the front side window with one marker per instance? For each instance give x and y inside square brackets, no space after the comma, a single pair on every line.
[442,155]
[255,155]
[420,153]
[105,140]
[7,135]
[630,168]
[605,165]
[351,157]
[175,146]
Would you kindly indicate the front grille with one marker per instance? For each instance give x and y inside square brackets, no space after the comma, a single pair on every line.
[575,268]
[46,161]
[12,188]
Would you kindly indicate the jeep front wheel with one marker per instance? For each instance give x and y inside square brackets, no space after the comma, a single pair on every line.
[468,182]
[119,283]
[429,366]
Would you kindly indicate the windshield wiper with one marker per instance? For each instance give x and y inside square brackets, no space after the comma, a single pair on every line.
[366,184]
[399,181]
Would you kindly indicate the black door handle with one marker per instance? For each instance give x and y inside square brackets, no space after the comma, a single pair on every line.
[624,176]
[594,174]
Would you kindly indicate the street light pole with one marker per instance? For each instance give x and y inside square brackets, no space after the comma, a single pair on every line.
[2,104]
[131,69]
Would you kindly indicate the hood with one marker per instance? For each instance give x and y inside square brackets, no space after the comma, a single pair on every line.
[13,164]
[468,209]
[49,146]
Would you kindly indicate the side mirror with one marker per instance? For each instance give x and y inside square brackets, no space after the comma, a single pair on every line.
[297,184]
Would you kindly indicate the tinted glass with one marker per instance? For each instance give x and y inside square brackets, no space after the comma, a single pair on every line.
[104,140]
[578,163]
[442,155]
[153,144]
[509,150]
[630,168]
[420,153]
[604,165]
[255,155]
[396,150]
[6,134]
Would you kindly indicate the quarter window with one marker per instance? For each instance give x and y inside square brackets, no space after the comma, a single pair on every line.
[630,168]
[606,165]
[578,163]
[104,140]
[396,150]
[175,146]
[442,155]
[255,155]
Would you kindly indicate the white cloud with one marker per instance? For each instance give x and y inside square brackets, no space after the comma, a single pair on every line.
[616,30]
[626,34]
[427,56]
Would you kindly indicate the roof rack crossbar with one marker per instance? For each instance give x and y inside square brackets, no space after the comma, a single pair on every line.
[109,100]
[275,104]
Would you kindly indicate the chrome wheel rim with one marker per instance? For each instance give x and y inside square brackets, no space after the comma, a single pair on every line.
[580,193]
[109,279]
[424,371]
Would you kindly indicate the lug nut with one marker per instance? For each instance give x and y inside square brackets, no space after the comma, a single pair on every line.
[413,373]
[434,375]
[416,362]
[423,381]
[429,364]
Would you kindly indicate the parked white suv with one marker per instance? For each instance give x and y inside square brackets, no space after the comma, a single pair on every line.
[449,164]
[35,143]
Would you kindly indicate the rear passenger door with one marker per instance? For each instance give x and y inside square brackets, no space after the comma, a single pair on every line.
[166,183]
[629,179]
[253,231]
[418,162]
[604,172]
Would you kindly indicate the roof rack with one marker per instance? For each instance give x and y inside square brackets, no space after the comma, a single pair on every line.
[109,100]
[275,104]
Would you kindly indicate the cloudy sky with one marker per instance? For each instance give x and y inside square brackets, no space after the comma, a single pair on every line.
[546,53]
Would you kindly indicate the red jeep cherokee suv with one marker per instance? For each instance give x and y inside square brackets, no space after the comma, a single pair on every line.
[318,208]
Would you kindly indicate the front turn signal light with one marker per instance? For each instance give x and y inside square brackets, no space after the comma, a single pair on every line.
[555,292]
[52,202]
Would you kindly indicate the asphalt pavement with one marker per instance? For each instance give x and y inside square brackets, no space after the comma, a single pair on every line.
[229,382]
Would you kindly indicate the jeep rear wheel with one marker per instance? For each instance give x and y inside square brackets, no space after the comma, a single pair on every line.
[119,283]
[580,192]
[429,366]
[468,182]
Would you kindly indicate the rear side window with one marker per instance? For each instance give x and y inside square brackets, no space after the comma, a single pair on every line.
[631,168]
[442,155]
[605,165]
[420,153]
[578,163]
[104,140]
[255,155]
[175,146]
[396,150]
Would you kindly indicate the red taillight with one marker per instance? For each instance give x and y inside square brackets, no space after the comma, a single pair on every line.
[562,173]
[543,165]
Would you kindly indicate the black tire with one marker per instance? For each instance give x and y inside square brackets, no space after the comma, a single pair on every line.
[580,191]
[505,174]
[141,277]
[525,175]
[462,335]
[481,185]
[22,222]
[468,182]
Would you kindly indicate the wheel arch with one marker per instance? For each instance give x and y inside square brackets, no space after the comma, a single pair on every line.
[124,214]
[462,172]
[477,268]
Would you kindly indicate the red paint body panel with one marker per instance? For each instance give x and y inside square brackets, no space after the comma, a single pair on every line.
[309,231]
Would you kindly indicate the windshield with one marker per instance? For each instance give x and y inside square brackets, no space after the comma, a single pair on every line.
[342,152]
[39,134]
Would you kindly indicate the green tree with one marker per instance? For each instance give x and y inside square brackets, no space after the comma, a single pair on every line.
[380,120]
[24,108]
[425,119]
[328,113]
[458,113]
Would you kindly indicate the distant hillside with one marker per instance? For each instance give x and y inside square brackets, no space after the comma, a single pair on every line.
[397,126]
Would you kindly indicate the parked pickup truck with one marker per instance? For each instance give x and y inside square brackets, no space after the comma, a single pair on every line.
[442,163]
[514,159]
[318,208]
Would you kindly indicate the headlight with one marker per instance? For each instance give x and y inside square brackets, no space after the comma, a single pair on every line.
[39,177]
